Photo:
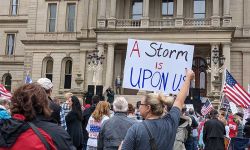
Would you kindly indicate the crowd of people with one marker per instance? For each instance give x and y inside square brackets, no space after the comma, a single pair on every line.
[31,119]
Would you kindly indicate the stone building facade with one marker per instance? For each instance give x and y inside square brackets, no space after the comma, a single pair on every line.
[53,38]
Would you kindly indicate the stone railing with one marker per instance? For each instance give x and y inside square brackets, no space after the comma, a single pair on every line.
[162,22]
[158,23]
[127,23]
[197,22]
[64,36]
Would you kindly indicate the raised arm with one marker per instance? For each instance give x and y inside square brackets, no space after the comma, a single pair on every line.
[179,101]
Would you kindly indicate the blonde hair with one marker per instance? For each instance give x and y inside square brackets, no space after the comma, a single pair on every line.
[68,95]
[158,102]
[102,108]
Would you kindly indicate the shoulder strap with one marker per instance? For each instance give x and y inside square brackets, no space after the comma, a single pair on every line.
[151,139]
[38,133]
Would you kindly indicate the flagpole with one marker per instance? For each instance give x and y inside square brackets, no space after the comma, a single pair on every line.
[222,87]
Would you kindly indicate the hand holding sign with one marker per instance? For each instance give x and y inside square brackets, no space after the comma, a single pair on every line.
[156,66]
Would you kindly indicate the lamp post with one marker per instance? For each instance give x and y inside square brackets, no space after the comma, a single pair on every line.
[215,65]
[95,62]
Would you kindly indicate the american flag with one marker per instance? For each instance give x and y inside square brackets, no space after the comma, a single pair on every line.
[206,108]
[235,92]
[4,93]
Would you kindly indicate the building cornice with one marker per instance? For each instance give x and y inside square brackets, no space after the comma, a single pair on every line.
[13,19]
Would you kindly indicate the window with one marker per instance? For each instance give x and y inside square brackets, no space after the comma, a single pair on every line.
[70,22]
[137,6]
[167,7]
[199,9]
[10,43]
[68,74]
[7,81]
[49,69]
[52,17]
[14,7]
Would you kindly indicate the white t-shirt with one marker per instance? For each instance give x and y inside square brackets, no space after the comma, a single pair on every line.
[93,128]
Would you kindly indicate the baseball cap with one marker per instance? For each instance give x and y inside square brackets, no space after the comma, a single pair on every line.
[45,83]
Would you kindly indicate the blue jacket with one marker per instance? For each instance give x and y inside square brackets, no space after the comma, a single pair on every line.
[4,114]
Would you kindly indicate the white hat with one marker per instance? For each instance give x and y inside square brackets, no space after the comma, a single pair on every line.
[45,83]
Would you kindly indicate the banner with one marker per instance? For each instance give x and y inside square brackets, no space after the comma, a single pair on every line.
[156,66]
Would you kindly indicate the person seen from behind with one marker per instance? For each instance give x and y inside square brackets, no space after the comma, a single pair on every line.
[162,129]
[114,129]
[30,114]
[74,122]
[131,112]
[86,115]
[95,122]
[4,107]
[65,109]
[214,132]
[48,86]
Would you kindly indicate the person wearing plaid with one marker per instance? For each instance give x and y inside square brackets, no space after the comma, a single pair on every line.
[65,109]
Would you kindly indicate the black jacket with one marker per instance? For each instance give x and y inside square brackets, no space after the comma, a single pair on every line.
[55,115]
[213,134]
[74,128]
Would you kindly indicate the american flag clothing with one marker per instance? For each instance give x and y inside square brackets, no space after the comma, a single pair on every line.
[235,92]
[65,109]
[4,92]
[206,108]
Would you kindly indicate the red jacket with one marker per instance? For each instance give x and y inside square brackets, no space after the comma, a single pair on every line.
[19,135]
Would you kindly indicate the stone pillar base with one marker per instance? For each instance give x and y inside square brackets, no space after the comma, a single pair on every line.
[145,22]
[179,22]
[111,23]
[227,21]
[215,21]
[101,23]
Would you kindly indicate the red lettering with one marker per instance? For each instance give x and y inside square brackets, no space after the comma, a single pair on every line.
[136,49]
[158,65]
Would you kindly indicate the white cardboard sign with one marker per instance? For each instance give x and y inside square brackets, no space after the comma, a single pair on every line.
[156,66]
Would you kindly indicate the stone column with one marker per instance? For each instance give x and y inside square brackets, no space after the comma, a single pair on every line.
[101,14]
[226,52]
[112,19]
[214,71]
[215,17]
[82,65]
[179,18]
[246,72]
[145,17]
[110,65]
[246,25]
[227,19]
[100,47]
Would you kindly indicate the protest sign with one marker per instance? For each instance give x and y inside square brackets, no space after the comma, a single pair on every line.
[156,66]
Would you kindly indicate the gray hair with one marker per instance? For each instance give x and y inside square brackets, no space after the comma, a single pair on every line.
[4,100]
[120,104]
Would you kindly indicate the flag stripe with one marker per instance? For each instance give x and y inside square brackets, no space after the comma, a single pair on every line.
[235,96]
[243,94]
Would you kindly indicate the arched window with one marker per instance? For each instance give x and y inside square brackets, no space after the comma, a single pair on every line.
[199,68]
[49,69]
[68,74]
[7,81]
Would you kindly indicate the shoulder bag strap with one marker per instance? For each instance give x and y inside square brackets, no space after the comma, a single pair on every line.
[38,133]
[151,139]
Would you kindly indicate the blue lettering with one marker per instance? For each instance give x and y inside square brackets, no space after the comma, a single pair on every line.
[131,75]
[144,76]
[164,81]
[159,82]
[173,88]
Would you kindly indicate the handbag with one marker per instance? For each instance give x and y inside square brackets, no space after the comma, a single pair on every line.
[151,139]
[40,136]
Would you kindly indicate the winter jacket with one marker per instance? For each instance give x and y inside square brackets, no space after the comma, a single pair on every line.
[3,113]
[182,133]
[16,134]
[113,131]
